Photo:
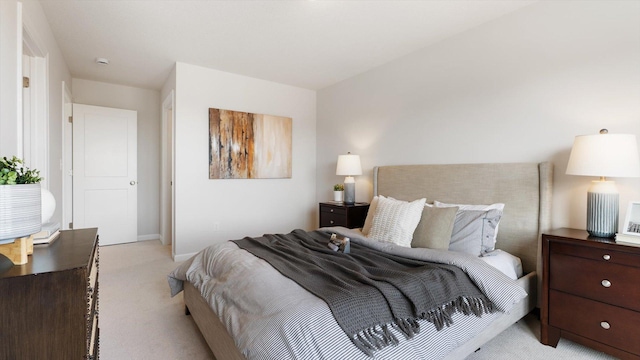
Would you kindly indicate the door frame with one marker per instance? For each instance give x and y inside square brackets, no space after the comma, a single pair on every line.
[67,158]
[35,128]
[167,173]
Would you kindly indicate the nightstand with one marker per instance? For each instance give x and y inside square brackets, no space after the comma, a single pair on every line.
[590,292]
[341,214]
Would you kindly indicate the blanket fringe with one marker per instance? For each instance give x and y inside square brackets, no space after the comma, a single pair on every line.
[441,317]
[377,337]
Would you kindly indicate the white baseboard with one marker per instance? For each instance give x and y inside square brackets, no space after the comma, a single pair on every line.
[148,237]
[182,257]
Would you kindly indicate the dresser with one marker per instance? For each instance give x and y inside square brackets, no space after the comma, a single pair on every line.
[49,306]
[341,214]
[590,292]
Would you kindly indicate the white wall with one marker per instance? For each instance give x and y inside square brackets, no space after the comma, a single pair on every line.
[169,84]
[10,72]
[147,104]
[517,89]
[11,27]
[207,211]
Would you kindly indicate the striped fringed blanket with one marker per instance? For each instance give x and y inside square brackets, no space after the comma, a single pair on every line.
[370,291]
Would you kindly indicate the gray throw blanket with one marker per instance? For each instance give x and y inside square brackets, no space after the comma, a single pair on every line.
[369,291]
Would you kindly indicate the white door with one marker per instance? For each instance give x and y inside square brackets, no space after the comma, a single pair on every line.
[105,172]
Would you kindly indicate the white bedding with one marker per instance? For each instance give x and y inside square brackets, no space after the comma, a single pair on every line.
[271,317]
[508,264]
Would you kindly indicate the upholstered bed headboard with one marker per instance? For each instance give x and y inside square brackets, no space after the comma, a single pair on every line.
[524,188]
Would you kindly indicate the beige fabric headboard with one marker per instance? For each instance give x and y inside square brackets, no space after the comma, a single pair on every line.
[524,188]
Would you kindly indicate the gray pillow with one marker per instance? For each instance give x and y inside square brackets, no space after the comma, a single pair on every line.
[435,228]
[474,231]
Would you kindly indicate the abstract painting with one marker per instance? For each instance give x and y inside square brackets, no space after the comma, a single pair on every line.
[248,146]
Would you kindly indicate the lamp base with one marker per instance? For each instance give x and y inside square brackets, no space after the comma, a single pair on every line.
[602,209]
[349,193]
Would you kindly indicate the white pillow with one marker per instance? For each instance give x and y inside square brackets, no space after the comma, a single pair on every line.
[510,265]
[395,220]
[369,219]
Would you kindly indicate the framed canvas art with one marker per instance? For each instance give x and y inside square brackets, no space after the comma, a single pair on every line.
[248,146]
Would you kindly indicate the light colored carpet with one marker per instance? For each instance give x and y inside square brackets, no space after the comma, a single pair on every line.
[138,319]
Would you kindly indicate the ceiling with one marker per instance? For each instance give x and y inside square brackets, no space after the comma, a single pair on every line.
[309,44]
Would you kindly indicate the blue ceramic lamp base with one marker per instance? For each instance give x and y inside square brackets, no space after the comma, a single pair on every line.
[603,213]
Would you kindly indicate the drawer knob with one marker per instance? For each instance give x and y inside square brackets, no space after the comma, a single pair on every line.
[331,210]
[605,325]
[606,283]
[331,222]
[606,257]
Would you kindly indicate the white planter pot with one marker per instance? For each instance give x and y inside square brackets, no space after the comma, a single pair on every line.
[20,211]
[338,195]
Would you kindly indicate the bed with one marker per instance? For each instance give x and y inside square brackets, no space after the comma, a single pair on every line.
[524,188]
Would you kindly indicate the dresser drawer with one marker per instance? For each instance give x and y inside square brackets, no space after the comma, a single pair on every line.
[611,283]
[607,256]
[597,321]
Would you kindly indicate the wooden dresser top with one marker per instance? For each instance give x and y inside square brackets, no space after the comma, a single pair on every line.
[71,250]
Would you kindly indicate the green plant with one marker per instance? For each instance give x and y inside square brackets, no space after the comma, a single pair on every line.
[338,187]
[13,171]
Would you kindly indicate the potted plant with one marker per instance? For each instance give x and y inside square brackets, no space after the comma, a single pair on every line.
[338,192]
[20,199]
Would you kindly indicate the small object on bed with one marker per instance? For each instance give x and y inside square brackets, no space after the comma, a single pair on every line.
[339,243]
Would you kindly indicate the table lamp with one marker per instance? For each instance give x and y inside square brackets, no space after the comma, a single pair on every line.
[604,155]
[349,165]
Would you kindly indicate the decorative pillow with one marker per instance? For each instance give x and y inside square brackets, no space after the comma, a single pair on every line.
[435,227]
[462,207]
[370,214]
[474,231]
[395,220]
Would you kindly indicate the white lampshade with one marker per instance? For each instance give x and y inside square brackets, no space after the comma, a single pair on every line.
[611,155]
[349,165]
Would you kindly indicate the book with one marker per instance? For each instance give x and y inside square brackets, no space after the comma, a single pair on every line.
[48,240]
[46,230]
[628,239]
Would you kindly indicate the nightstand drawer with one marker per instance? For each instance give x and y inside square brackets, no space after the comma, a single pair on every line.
[610,283]
[333,210]
[604,323]
[602,255]
[330,219]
